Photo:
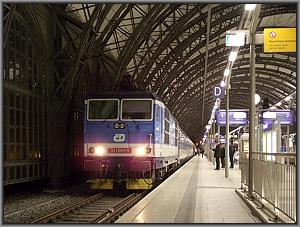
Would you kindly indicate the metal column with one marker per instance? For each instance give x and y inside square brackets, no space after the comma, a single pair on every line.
[219,133]
[214,129]
[252,113]
[252,147]
[227,129]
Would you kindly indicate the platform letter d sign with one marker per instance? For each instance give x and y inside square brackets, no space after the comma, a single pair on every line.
[219,92]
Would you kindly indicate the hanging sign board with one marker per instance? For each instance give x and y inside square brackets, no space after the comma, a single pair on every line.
[235,40]
[286,117]
[219,92]
[279,40]
[236,117]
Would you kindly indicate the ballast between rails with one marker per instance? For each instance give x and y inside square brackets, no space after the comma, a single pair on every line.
[119,209]
[109,215]
[50,217]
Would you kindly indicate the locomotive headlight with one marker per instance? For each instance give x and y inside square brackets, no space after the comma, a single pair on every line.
[141,151]
[116,125]
[148,150]
[91,150]
[122,125]
[99,151]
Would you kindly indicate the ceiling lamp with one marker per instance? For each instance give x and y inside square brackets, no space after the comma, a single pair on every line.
[222,83]
[232,56]
[257,99]
[226,72]
[249,7]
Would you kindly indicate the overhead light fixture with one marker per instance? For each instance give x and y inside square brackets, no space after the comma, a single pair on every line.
[257,99]
[226,72]
[249,7]
[232,55]
[222,83]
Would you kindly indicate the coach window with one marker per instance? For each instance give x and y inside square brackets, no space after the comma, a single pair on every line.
[103,109]
[136,109]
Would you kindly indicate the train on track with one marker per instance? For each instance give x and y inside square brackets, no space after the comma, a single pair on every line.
[131,140]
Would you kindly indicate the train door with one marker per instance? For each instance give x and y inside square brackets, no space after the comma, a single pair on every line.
[159,139]
[178,141]
[158,125]
[162,121]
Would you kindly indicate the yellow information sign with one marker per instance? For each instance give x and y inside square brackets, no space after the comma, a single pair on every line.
[280,40]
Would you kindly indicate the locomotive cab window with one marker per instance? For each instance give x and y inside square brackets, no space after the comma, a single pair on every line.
[103,109]
[133,109]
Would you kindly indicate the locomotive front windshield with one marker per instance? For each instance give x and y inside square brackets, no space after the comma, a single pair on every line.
[136,109]
[103,109]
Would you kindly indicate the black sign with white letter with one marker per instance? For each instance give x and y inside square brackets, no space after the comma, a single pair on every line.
[219,92]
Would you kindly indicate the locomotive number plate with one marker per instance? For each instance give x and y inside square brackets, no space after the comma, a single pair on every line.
[124,150]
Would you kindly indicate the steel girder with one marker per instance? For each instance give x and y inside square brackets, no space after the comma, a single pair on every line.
[166,49]
[277,9]
[188,100]
[167,69]
[60,102]
[240,63]
[221,58]
[8,19]
[168,61]
[178,28]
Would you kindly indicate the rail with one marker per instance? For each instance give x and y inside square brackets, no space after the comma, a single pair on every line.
[119,209]
[274,180]
[99,213]
[48,218]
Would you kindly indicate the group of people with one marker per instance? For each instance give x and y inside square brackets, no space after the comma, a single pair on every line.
[198,151]
[219,153]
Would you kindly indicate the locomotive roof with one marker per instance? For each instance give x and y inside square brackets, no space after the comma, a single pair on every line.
[132,94]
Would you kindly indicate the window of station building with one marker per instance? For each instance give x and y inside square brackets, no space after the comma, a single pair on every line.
[136,109]
[24,86]
[103,109]
[77,133]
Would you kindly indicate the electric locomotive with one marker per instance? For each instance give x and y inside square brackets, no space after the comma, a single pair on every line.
[131,140]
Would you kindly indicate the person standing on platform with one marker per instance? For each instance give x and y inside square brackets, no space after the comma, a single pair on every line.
[201,151]
[231,154]
[223,155]
[217,155]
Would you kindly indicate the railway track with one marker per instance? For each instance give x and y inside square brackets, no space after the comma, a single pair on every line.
[95,209]
[36,206]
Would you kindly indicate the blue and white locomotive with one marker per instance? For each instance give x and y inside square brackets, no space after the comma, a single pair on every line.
[131,139]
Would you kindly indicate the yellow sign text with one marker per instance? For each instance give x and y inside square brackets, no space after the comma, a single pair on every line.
[279,40]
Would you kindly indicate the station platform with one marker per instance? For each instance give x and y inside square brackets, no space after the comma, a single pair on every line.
[196,193]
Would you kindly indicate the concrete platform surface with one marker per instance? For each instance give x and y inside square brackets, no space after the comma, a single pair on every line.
[196,193]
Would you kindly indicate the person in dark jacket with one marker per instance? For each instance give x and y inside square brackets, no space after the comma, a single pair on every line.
[223,155]
[202,151]
[217,155]
[231,154]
